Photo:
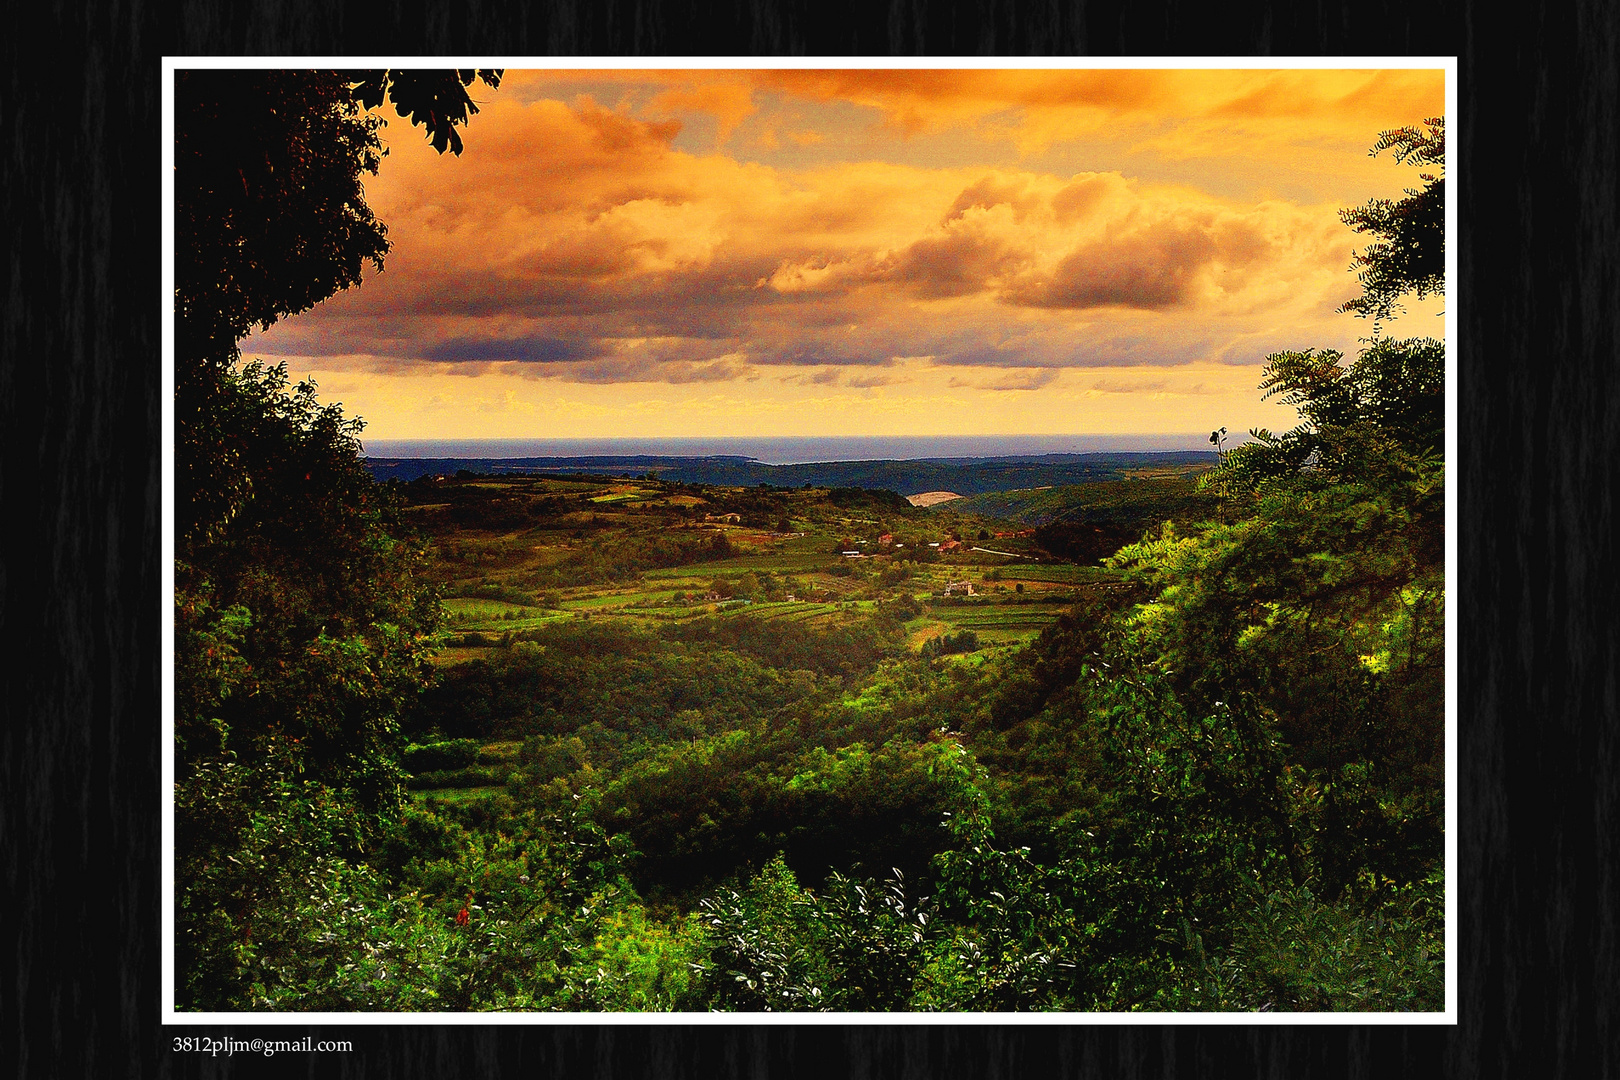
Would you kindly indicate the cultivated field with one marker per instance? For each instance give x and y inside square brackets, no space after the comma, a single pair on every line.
[526,558]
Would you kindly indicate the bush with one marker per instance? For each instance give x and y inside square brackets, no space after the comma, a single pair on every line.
[1294,953]
[963,641]
[473,776]
[437,756]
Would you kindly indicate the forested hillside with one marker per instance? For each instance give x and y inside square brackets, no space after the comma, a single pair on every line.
[963,476]
[585,743]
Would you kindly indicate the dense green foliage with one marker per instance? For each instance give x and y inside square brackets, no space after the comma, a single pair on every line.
[303,623]
[1140,501]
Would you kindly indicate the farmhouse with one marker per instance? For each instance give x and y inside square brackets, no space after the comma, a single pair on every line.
[959,588]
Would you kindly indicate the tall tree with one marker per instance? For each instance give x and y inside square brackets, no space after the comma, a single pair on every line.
[302,618]
[1323,601]
[276,518]
[271,219]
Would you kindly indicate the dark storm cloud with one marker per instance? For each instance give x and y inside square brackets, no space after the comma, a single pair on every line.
[535,349]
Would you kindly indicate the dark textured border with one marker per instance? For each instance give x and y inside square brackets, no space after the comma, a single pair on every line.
[1539,303]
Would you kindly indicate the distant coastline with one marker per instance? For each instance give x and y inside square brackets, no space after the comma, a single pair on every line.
[906,476]
[789,450]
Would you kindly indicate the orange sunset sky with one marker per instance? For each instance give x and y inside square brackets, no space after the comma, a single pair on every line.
[865,252]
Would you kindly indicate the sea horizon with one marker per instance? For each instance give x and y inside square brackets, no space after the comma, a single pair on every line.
[789,449]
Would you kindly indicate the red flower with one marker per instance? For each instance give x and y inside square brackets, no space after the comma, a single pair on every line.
[461,917]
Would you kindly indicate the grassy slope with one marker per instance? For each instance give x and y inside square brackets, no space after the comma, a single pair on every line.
[1144,499]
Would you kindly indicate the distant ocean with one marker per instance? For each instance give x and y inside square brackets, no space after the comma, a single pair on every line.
[786,450]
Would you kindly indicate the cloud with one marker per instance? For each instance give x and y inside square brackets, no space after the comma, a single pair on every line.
[954,264]
[1152,269]
[528,350]
[1177,112]
[626,369]
[866,382]
[591,243]
[913,100]
[1123,386]
[730,102]
[1029,379]
[992,191]
[1086,193]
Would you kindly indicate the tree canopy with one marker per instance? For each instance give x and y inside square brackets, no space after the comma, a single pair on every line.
[300,608]
[270,210]
[435,100]
[302,619]
[1391,399]
[1321,599]
[1410,253]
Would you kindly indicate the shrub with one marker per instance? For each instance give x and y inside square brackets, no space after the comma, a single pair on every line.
[438,756]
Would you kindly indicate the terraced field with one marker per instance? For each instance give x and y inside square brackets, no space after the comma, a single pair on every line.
[474,613]
[1000,624]
[543,550]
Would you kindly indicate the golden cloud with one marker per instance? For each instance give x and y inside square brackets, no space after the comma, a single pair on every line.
[585,241]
